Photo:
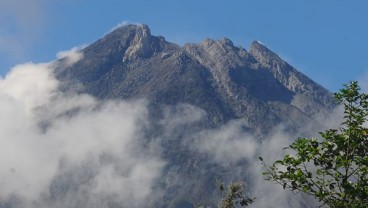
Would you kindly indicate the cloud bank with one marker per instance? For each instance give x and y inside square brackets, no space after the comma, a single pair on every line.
[47,135]
[71,56]
[231,147]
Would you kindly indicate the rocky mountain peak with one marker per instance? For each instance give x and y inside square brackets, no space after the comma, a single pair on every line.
[226,42]
[223,44]
[144,29]
[220,53]
[142,45]
[238,78]
[262,54]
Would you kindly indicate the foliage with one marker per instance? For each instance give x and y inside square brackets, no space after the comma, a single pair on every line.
[234,195]
[333,169]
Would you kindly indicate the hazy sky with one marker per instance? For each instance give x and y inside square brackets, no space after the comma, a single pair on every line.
[326,40]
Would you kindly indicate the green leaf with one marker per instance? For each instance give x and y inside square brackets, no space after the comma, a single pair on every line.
[334,169]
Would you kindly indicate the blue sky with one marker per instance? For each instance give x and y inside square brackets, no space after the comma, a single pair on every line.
[324,39]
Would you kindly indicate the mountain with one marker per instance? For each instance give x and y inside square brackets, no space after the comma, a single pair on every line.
[227,82]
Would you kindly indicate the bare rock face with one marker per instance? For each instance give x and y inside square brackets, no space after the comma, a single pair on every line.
[219,57]
[225,81]
[309,97]
[141,46]
[282,71]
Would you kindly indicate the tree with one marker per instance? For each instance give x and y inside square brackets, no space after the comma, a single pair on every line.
[234,195]
[333,168]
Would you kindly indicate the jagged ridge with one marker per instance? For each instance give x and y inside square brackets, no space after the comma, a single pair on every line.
[216,75]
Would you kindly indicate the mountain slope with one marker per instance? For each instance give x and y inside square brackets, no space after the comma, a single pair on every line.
[227,82]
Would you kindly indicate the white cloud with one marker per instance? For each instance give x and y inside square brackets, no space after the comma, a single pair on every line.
[230,144]
[71,56]
[178,116]
[226,145]
[121,24]
[42,139]
[30,85]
